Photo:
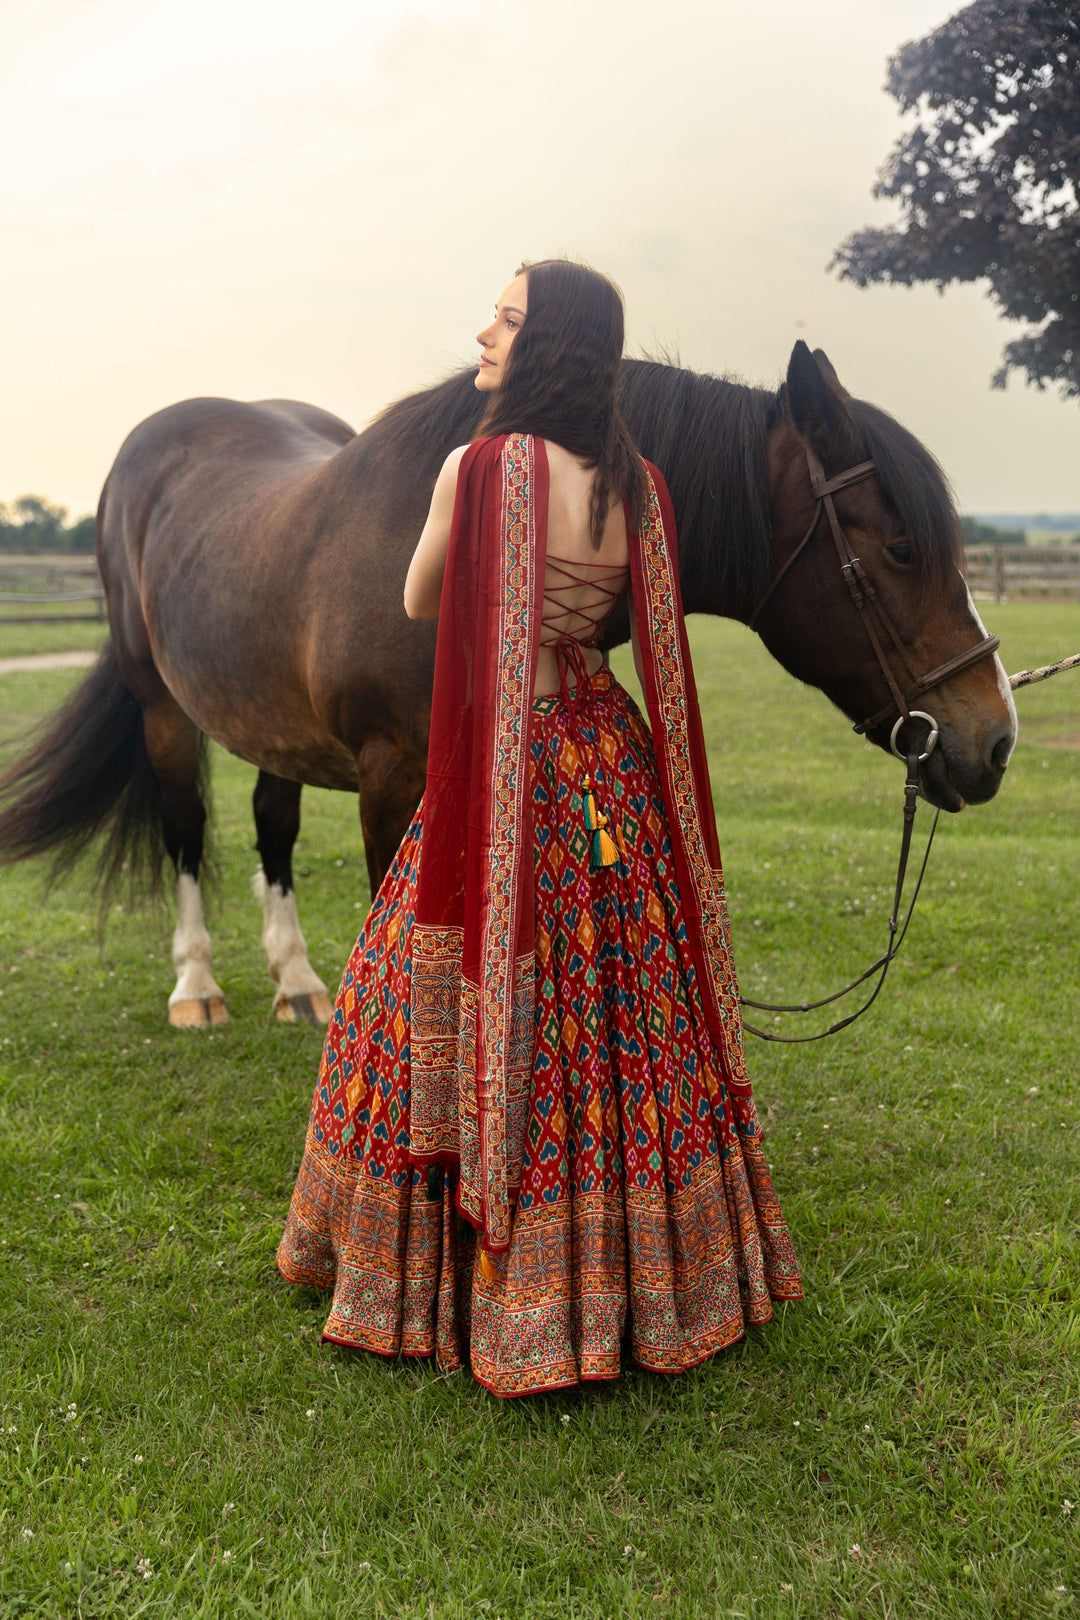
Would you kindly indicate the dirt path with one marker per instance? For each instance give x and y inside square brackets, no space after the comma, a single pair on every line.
[32,661]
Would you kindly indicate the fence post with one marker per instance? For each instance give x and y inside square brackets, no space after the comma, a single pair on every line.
[999,573]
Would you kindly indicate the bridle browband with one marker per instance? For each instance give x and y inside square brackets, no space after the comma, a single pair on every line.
[879,627]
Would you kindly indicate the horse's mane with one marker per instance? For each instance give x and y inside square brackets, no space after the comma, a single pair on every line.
[430,424]
[708,435]
[915,488]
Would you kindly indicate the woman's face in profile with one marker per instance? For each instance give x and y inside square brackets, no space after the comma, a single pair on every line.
[495,340]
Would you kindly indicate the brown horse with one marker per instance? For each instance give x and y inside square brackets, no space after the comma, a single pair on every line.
[254,556]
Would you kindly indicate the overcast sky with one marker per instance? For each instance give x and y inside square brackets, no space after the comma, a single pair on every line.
[322,201]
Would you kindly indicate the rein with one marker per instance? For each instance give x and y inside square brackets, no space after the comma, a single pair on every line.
[879,629]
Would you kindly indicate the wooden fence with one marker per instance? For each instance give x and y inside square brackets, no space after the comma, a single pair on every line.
[44,590]
[997,572]
[50,587]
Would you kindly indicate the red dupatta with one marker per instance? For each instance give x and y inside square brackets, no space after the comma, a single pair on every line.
[472,963]
[472,993]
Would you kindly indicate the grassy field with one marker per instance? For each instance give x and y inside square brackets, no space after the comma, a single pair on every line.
[905,1443]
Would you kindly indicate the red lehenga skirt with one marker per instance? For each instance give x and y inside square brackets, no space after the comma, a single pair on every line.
[646,1207]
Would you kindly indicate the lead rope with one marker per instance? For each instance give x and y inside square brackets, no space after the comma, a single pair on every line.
[897,933]
[1028,677]
[1024,677]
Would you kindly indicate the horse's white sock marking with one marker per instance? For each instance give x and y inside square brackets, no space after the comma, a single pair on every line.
[191,952]
[1002,678]
[284,944]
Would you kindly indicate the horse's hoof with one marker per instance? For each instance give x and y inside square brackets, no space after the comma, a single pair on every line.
[201,1013]
[303,1009]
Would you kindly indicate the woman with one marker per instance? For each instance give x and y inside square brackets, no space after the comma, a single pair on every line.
[532,1130]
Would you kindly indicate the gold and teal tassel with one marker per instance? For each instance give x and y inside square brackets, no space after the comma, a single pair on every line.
[604,849]
[589,804]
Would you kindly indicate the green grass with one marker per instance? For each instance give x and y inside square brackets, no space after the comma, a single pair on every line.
[922,1404]
[19,640]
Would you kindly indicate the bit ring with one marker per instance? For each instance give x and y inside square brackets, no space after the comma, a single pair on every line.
[931,741]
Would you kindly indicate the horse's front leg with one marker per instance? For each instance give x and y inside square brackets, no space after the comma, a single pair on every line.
[301,995]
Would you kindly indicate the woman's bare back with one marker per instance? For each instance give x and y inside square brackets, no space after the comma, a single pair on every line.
[573,606]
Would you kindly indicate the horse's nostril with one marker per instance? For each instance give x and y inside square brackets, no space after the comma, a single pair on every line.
[1001,750]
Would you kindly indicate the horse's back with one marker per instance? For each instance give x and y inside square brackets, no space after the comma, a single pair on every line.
[246,560]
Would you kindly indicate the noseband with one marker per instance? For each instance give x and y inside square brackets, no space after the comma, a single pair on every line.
[878,626]
[876,621]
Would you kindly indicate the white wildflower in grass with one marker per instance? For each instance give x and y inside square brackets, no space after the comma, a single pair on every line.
[143,1567]
[138,1457]
[855,1551]
[786,1586]
[628,1550]
[364,1567]
[27,1533]
[310,1414]
[71,1414]
[866,1428]
[1066,1508]
[797,1424]
[565,1418]
[226,1558]
[228,1507]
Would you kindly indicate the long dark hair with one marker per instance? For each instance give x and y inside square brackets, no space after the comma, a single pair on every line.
[560,378]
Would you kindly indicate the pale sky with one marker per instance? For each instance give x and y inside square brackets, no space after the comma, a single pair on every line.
[321,201]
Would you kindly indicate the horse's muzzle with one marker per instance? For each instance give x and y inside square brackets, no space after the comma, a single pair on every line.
[955,774]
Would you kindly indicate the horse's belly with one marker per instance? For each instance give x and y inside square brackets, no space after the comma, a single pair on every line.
[263,724]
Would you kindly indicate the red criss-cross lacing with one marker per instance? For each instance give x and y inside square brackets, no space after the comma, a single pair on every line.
[569,640]
[558,626]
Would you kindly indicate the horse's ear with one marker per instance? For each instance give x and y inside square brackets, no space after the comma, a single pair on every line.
[828,371]
[815,396]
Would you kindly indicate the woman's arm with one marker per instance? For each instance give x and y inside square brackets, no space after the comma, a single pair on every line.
[423,582]
[636,647]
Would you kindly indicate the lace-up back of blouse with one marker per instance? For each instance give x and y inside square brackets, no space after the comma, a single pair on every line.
[583,624]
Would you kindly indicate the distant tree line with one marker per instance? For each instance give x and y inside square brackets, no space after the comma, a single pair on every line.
[984,534]
[978,533]
[32,524]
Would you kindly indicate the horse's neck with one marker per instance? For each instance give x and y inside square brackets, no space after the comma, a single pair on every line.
[717,466]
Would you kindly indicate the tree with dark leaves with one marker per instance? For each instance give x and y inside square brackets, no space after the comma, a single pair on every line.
[988,175]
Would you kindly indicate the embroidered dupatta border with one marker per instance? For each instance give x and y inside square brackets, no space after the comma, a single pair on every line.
[471,1033]
[506,993]
[676,726]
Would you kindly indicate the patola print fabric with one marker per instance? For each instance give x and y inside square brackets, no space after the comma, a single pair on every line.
[632,1202]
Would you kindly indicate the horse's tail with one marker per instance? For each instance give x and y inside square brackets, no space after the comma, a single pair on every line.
[87,773]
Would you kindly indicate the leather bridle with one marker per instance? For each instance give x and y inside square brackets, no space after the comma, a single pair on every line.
[875,619]
[904,690]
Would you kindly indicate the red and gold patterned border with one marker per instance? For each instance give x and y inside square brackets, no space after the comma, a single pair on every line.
[674,753]
[504,1054]
[435,1041]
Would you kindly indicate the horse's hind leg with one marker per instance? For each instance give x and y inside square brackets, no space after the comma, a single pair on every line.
[174,745]
[301,995]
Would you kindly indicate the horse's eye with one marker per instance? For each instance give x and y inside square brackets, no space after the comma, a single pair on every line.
[901,554]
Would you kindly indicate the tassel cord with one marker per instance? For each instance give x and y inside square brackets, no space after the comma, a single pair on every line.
[604,851]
